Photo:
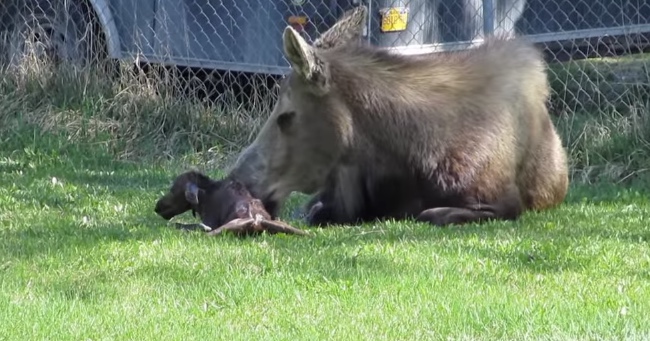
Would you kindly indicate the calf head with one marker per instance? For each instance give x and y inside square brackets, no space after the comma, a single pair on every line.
[216,202]
[308,131]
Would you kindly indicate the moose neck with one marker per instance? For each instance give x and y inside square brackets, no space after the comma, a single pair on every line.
[381,94]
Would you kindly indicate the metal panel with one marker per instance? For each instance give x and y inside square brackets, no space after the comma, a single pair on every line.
[246,34]
[549,16]
[134,21]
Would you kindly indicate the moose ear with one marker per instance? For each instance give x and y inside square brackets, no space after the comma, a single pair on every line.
[304,60]
[347,29]
[192,193]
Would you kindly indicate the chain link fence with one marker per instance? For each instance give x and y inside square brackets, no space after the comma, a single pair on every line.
[235,46]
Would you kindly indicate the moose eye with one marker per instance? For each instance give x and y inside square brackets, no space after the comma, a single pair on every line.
[284,120]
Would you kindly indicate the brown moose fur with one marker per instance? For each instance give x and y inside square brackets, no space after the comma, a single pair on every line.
[450,137]
[223,205]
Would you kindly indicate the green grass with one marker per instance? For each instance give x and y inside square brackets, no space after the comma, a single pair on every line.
[83,256]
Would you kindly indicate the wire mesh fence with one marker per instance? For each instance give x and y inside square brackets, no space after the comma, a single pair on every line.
[235,46]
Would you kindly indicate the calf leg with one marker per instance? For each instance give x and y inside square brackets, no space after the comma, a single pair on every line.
[507,207]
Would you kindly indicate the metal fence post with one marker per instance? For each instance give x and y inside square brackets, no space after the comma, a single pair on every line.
[369,22]
[488,17]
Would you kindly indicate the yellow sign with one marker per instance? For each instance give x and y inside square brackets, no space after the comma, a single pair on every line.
[394,19]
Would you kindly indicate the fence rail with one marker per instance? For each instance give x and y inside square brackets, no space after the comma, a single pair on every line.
[240,40]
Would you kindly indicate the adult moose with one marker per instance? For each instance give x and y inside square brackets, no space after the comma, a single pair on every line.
[450,137]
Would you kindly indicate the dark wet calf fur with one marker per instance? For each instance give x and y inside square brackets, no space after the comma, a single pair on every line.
[222,205]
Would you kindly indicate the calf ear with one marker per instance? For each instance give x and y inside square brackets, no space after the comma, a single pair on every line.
[192,193]
[304,60]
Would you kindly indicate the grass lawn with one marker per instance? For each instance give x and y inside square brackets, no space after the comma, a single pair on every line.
[84,257]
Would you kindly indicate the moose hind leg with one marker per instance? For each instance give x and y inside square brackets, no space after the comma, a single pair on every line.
[507,207]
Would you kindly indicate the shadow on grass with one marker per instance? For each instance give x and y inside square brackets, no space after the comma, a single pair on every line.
[590,212]
[603,217]
[336,253]
[34,241]
[155,178]
[102,173]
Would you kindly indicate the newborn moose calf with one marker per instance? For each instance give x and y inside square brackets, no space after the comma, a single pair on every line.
[224,205]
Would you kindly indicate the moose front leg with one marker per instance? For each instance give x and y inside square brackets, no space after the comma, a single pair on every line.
[508,207]
[340,202]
